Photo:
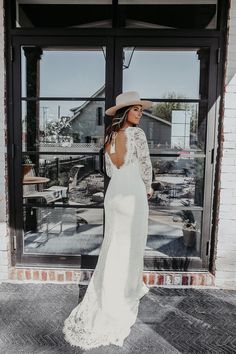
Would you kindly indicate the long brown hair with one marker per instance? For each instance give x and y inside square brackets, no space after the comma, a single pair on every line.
[118,121]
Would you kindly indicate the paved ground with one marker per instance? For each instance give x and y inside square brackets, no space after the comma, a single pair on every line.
[170,320]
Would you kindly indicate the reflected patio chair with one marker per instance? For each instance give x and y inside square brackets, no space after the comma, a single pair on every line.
[74,174]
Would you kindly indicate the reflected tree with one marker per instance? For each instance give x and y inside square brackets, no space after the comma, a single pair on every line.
[164,110]
[60,130]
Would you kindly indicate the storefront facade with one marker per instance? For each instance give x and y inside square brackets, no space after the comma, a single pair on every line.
[63,64]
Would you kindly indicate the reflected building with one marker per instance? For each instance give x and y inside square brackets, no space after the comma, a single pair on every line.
[89,117]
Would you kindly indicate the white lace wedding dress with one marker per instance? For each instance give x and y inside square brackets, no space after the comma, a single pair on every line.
[110,305]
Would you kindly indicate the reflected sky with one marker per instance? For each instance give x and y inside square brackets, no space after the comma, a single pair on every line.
[154,74]
[72,73]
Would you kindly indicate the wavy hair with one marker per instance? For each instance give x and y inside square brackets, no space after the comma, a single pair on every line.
[118,122]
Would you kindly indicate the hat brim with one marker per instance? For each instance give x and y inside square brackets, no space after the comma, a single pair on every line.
[112,110]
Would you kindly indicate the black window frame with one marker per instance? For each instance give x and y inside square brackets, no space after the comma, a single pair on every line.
[115,38]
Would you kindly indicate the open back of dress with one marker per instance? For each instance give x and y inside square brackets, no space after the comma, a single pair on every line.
[117,149]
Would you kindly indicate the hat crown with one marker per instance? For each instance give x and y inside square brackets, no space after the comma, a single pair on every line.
[127,97]
[130,98]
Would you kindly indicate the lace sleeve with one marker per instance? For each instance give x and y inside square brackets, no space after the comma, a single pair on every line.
[108,166]
[144,159]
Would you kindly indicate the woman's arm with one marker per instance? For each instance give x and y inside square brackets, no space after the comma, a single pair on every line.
[144,159]
[108,166]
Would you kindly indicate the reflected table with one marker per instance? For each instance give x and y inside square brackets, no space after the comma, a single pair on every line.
[28,180]
[33,195]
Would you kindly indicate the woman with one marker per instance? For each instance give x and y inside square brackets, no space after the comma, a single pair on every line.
[110,305]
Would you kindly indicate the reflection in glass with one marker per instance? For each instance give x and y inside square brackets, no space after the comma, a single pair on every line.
[62,231]
[165,14]
[62,14]
[59,72]
[50,188]
[174,233]
[71,180]
[172,126]
[177,181]
[180,129]
[163,73]
[62,125]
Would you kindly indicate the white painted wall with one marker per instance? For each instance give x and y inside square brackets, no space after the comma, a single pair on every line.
[226,246]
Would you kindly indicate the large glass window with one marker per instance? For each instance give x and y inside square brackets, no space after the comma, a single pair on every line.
[62,110]
[69,60]
[175,79]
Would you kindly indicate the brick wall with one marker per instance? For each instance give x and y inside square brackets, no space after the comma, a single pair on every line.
[226,246]
[83,276]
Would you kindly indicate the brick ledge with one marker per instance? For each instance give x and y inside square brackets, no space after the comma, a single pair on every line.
[82,276]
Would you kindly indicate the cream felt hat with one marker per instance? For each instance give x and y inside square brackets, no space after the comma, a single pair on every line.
[129,98]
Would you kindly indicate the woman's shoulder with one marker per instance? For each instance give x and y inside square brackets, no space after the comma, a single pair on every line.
[139,132]
[136,129]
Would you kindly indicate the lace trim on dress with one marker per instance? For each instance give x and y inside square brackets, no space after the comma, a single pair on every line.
[79,327]
[143,157]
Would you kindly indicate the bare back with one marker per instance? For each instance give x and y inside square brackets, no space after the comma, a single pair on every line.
[131,147]
[120,142]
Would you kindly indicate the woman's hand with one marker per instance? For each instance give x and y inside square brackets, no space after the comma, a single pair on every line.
[150,193]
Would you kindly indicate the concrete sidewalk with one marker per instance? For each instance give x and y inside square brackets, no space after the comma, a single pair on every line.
[170,320]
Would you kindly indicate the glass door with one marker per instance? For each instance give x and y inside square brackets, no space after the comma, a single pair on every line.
[61,88]
[61,104]
[180,80]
